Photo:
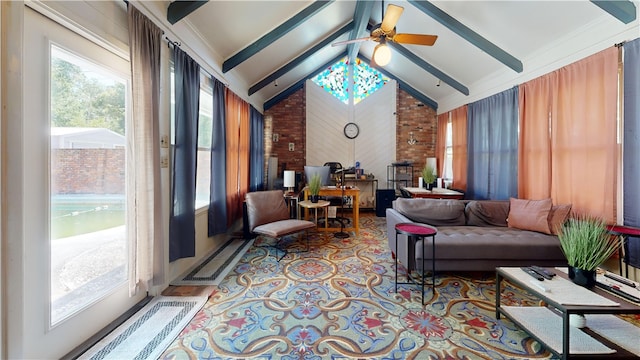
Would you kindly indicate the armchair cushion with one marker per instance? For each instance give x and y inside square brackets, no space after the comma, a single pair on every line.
[283,227]
[268,215]
[265,207]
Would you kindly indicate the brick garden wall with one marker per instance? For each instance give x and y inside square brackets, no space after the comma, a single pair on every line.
[287,119]
[88,171]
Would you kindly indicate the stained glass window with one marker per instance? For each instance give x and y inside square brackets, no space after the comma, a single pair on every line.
[335,80]
[367,81]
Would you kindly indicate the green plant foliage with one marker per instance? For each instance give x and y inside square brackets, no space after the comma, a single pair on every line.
[78,100]
[314,184]
[428,174]
[586,243]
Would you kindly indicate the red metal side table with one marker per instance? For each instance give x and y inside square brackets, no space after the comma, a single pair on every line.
[624,232]
[418,231]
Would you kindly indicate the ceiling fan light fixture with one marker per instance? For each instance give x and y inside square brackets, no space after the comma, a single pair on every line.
[382,54]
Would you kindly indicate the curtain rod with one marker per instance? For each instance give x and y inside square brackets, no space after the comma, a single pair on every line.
[174,43]
[178,44]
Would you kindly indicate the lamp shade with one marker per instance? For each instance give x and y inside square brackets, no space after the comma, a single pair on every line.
[381,54]
[289,178]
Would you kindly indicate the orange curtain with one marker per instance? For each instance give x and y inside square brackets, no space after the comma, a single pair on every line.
[583,141]
[237,136]
[459,147]
[441,141]
[534,146]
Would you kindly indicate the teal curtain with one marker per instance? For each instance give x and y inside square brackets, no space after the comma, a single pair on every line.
[256,150]
[182,231]
[217,216]
[492,171]
[631,165]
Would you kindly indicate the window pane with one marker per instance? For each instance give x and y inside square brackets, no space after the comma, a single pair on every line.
[335,80]
[203,173]
[87,183]
[448,153]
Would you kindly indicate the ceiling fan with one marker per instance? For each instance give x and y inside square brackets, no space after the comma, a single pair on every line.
[386,31]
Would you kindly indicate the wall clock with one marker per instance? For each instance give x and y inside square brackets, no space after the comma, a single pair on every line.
[351,130]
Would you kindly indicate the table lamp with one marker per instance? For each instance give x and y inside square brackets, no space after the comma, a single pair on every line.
[289,180]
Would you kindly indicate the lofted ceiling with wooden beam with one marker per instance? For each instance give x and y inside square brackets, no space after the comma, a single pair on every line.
[482,46]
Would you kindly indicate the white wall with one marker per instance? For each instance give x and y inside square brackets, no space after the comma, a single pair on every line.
[375,146]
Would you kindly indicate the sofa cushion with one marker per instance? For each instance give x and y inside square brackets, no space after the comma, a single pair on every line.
[487,213]
[436,212]
[530,215]
[557,217]
[492,243]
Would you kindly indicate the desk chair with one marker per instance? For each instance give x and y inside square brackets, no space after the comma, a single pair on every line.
[337,201]
[268,215]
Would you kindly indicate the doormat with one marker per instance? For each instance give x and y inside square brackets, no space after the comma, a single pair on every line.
[216,265]
[148,332]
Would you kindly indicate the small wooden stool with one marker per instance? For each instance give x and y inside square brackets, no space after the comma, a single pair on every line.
[321,204]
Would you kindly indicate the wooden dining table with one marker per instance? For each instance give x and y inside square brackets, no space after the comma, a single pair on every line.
[435,193]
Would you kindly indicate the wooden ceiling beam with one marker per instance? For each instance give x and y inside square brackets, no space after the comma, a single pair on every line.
[295,62]
[361,19]
[298,85]
[274,35]
[179,9]
[466,33]
[623,10]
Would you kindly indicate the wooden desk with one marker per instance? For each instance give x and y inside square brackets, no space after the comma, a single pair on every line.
[364,185]
[435,193]
[353,192]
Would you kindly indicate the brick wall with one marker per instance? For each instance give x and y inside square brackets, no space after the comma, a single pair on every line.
[414,116]
[88,171]
[287,119]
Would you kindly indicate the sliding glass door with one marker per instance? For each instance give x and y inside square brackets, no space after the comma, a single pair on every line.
[75,154]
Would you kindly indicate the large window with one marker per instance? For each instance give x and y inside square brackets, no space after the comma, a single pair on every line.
[205,127]
[447,173]
[205,124]
[87,183]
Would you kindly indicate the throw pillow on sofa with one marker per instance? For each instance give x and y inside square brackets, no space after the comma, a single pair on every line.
[530,215]
[557,217]
[434,212]
[487,213]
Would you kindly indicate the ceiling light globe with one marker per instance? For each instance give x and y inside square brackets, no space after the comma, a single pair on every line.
[382,54]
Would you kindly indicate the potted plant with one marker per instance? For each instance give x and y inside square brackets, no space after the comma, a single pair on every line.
[428,176]
[314,187]
[586,244]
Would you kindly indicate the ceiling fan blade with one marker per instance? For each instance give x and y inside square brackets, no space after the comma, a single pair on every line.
[351,41]
[416,39]
[391,18]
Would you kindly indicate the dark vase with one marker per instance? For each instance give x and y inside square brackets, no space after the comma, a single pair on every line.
[586,278]
[314,198]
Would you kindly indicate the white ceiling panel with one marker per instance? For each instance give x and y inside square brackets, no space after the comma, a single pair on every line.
[543,35]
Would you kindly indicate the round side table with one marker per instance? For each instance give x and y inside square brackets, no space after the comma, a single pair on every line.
[418,231]
[623,232]
[321,204]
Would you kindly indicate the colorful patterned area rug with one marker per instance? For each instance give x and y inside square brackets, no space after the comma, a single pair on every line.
[338,301]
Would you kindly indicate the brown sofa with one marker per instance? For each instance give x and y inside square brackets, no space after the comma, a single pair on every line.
[472,236]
